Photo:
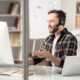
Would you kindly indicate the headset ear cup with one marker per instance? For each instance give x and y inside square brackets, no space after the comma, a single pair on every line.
[62,22]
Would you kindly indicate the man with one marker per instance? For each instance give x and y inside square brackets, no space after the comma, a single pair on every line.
[58,45]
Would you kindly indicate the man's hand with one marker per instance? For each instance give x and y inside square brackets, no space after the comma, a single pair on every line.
[42,54]
[17,61]
[30,60]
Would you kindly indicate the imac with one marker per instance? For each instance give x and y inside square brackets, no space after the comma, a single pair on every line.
[6,56]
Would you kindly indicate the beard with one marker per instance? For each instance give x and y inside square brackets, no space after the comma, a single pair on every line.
[54,30]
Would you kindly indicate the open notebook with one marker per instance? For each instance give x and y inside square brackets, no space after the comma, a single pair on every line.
[16,72]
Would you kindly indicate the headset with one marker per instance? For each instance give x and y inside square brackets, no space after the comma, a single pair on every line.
[61,22]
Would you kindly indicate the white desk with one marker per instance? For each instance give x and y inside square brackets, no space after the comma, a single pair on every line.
[42,73]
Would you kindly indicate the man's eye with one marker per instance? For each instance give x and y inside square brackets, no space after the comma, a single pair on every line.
[52,21]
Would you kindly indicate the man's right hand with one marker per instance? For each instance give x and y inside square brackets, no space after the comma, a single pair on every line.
[17,61]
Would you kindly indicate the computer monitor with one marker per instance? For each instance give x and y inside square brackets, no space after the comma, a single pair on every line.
[5,46]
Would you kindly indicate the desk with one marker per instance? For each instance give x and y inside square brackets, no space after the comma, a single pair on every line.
[42,73]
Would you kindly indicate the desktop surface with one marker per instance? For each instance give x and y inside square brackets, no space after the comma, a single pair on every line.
[42,73]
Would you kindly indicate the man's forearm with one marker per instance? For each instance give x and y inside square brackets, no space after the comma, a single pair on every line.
[30,61]
[54,59]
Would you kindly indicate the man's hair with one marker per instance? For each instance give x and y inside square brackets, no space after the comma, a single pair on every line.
[61,14]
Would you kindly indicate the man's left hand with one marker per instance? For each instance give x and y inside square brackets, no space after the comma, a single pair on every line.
[42,54]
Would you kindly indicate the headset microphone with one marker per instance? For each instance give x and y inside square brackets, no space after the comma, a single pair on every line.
[55,26]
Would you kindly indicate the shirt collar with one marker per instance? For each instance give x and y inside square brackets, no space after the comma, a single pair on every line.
[63,31]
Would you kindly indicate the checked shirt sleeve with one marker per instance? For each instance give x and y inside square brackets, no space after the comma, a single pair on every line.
[70,49]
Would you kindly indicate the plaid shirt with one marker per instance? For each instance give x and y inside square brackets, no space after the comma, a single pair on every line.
[66,46]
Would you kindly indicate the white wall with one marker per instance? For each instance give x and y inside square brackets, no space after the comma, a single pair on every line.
[38,28]
[69,7]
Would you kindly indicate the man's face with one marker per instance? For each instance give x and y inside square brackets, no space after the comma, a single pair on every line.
[52,21]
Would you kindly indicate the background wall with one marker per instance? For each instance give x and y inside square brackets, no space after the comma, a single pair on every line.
[69,6]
